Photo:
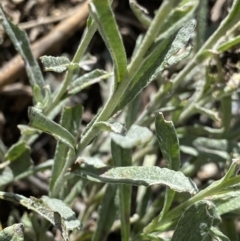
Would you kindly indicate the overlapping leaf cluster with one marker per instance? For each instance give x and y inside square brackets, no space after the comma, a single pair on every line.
[78,159]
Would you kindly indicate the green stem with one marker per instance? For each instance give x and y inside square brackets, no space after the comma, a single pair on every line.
[213,189]
[113,101]
[229,23]
[152,33]
[86,38]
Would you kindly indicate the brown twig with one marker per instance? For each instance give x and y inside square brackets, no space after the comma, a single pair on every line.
[217,10]
[11,70]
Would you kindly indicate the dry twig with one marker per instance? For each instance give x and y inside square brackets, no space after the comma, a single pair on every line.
[11,70]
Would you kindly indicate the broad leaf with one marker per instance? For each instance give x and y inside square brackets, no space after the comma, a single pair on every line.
[137,135]
[41,122]
[136,175]
[102,13]
[13,233]
[195,223]
[21,43]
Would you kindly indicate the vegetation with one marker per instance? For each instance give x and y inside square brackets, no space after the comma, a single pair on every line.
[120,147]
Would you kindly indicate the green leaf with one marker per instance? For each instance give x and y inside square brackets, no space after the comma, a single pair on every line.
[137,175]
[195,223]
[202,24]
[137,135]
[86,80]
[54,210]
[227,202]
[213,148]
[213,115]
[16,151]
[218,235]
[174,59]
[233,170]
[101,12]
[177,17]
[156,61]
[115,127]
[107,214]
[132,111]
[17,167]
[2,150]
[229,44]
[123,157]
[226,113]
[141,13]
[66,213]
[146,72]
[55,64]
[21,43]
[70,120]
[169,146]
[13,233]
[168,142]
[41,122]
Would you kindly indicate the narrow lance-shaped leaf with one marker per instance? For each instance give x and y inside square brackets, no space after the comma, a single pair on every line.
[156,61]
[2,150]
[22,45]
[136,175]
[195,223]
[168,141]
[123,157]
[213,115]
[141,13]
[102,13]
[86,80]
[41,122]
[169,145]
[70,120]
[178,16]
[107,214]
[15,151]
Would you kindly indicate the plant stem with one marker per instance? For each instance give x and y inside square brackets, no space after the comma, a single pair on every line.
[211,43]
[113,101]
[152,34]
[213,189]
